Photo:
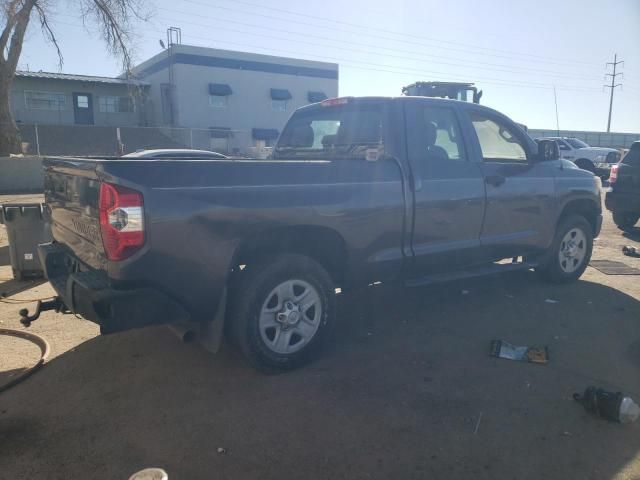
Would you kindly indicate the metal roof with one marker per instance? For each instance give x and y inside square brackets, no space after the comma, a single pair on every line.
[78,78]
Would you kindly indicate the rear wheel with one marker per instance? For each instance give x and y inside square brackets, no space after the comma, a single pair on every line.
[585,164]
[282,312]
[570,252]
[625,220]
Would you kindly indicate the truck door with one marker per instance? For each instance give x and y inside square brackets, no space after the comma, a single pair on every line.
[520,191]
[448,190]
[565,150]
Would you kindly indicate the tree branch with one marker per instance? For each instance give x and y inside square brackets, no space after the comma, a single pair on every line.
[113,28]
[48,32]
[10,13]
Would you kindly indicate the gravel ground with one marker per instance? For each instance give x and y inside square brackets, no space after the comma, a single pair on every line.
[405,391]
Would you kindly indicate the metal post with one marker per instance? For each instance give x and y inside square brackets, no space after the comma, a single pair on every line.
[37,139]
[555,98]
[613,85]
[119,139]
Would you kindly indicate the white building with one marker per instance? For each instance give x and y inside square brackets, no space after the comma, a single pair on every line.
[243,99]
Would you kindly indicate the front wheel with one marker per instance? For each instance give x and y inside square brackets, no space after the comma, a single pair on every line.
[282,312]
[625,221]
[570,252]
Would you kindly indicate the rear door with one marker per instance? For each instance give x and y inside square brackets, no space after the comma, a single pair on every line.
[520,191]
[448,189]
[565,150]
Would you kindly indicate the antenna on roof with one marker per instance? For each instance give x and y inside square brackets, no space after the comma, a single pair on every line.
[162,44]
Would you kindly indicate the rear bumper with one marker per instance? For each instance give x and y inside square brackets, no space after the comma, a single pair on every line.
[622,201]
[89,293]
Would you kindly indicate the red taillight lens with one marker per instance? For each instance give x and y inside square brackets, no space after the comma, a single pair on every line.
[613,175]
[121,220]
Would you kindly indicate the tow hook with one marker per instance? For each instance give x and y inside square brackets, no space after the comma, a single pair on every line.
[41,306]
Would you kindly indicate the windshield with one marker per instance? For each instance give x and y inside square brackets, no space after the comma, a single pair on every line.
[345,131]
[576,143]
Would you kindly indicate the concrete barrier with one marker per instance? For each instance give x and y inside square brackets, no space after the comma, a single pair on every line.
[21,175]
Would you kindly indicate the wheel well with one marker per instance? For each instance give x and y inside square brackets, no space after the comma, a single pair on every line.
[324,245]
[583,207]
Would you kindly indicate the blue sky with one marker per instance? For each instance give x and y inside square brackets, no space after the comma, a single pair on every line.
[514,51]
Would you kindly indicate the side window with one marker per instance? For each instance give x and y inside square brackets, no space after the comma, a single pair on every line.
[498,142]
[436,136]
[562,145]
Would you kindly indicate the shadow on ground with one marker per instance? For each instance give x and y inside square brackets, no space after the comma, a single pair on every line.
[12,286]
[406,390]
[5,259]
[633,234]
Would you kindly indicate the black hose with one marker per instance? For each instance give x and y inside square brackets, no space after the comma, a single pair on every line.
[44,354]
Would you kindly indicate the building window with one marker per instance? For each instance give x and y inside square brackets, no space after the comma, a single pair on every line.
[113,104]
[45,100]
[279,105]
[218,101]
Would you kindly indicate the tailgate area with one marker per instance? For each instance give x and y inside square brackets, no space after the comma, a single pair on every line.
[89,293]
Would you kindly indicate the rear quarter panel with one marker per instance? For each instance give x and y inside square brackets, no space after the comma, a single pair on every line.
[198,213]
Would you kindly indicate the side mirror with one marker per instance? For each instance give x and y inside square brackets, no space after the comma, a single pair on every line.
[548,150]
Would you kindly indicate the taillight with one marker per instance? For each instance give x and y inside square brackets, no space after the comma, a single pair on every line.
[613,174]
[121,221]
[331,102]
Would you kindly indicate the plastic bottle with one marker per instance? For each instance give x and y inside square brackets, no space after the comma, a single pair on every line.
[629,411]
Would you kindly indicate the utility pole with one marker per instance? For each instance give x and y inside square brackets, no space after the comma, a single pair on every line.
[555,98]
[613,85]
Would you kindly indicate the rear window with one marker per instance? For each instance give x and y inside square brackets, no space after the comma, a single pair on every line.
[345,131]
[576,143]
[632,158]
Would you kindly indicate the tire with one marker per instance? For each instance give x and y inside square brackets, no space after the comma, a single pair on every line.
[268,322]
[585,164]
[565,262]
[625,221]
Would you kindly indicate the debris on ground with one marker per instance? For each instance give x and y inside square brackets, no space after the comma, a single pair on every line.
[502,349]
[150,474]
[630,251]
[221,450]
[614,406]
[551,300]
[465,292]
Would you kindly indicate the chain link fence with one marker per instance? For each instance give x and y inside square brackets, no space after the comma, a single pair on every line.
[91,140]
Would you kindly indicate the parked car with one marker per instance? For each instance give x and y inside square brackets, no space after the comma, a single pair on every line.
[623,198]
[597,160]
[174,153]
[359,190]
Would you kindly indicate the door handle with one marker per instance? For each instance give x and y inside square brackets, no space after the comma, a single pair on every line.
[495,180]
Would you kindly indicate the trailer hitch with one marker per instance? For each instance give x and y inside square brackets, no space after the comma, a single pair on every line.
[55,304]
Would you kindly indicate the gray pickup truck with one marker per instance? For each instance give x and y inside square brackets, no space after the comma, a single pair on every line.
[358,190]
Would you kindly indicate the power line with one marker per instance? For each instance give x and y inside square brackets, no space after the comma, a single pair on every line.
[613,85]
[368,28]
[371,66]
[481,65]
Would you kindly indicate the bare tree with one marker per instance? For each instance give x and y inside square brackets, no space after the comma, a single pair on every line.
[113,17]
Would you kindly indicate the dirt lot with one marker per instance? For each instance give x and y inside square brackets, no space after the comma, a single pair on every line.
[406,391]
